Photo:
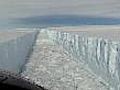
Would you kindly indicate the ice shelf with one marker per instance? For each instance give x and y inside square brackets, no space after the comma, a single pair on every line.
[100,55]
[53,68]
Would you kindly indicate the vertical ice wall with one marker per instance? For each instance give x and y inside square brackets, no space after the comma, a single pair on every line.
[13,52]
[101,55]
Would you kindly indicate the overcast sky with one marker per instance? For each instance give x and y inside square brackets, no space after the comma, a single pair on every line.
[27,8]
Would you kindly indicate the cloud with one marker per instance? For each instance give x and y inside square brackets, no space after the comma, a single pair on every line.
[25,8]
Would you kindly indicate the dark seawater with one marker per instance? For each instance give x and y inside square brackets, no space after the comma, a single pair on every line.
[61,20]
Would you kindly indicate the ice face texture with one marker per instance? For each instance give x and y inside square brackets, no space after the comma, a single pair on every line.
[102,56]
[13,52]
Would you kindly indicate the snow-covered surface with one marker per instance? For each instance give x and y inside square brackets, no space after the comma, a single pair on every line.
[100,54]
[111,32]
[14,47]
[51,66]
[10,35]
[81,58]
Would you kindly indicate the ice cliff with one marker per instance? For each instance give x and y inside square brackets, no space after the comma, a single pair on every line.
[100,55]
[13,52]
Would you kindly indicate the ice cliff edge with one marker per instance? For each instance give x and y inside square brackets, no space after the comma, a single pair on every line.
[13,51]
[102,56]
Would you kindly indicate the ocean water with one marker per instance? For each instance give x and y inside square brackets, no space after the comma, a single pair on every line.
[58,20]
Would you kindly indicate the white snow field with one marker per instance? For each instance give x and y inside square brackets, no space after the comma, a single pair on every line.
[64,58]
[76,58]
[55,69]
